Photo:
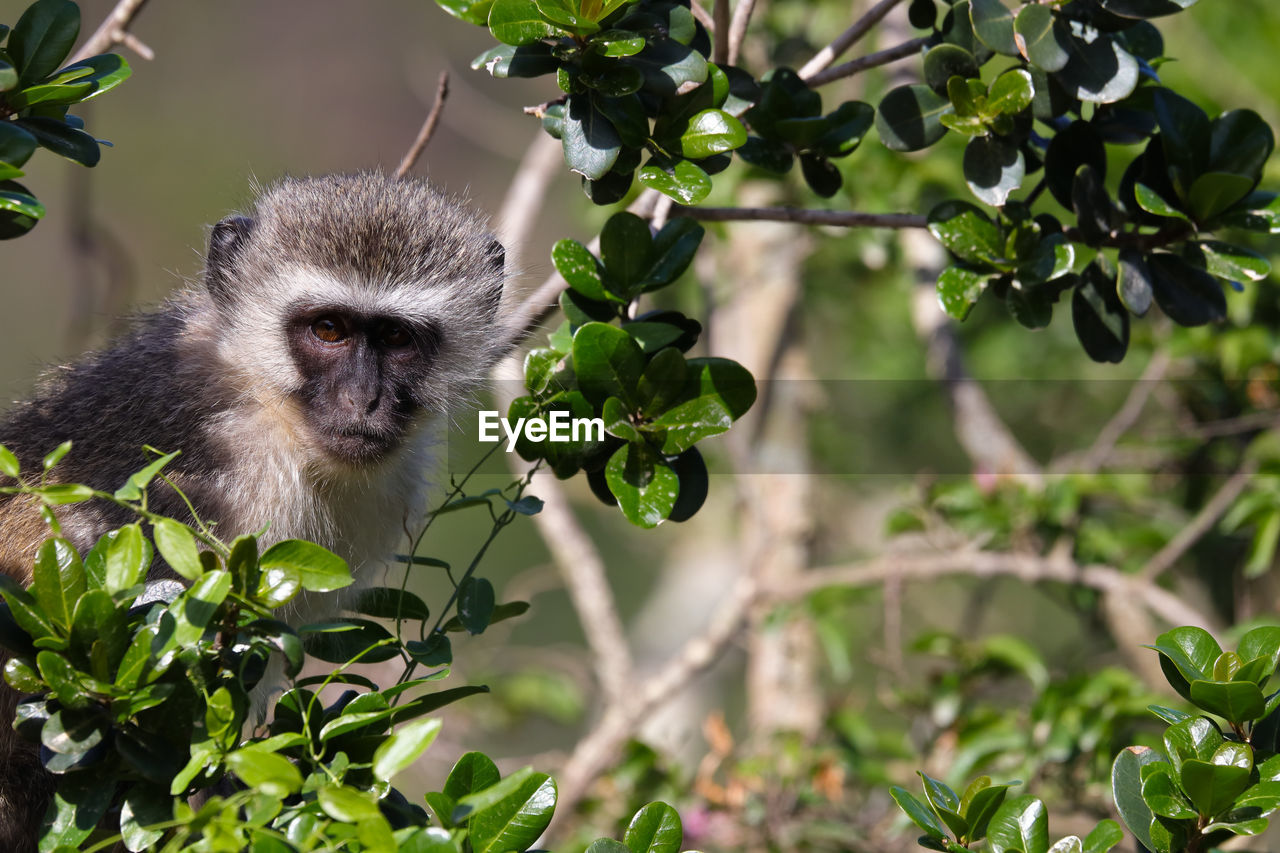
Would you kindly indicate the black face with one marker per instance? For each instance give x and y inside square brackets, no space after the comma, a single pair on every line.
[360,377]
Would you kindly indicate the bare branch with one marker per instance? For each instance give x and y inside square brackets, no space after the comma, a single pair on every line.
[738,28]
[1204,520]
[1030,568]
[844,218]
[428,127]
[871,60]
[114,30]
[847,39]
[526,196]
[1127,416]
[719,31]
[598,750]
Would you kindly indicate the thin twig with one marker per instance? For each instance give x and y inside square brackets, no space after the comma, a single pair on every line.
[428,127]
[113,31]
[847,39]
[871,60]
[1128,414]
[844,218]
[1204,520]
[719,31]
[738,28]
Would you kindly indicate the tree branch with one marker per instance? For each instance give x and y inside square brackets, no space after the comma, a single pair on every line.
[428,127]
[738,28]
[844,218]
[1029,568]
[1128,414]
[114,30]
[719,31]
[871,60]
[1204,520]
[847,39]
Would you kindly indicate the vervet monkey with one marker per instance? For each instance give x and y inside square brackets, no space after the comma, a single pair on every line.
[337,320]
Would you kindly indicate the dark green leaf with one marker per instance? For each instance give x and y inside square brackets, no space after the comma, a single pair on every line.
[1146,8]
[1100,71]
[1237,701]
[16,144]
[1100,320]
[1187,295]
[390,603]
[909,117]
[79,805]
[1019,824]
[646,487]
[471,11]
[591,143]
[344,640]
[475,604]
[993,25]
[667,65]
[691,471]
[1011,93]
[711,132]
[1126,786]
[436,650]
[1041,38]
[1135,282]
[1234,262]
[674,247]
[1185,135]
[993,168]
[945,61]
[1214,192]
[959,289]
[848,124]
[608,363]
[967,232]
[43,37]
[516,819]
[819,173]
[1240,141]
[58,580]
[63,140]
[472,773]
[656,828]
[1164,797]
[920,814]
[1212,787]
[626,248]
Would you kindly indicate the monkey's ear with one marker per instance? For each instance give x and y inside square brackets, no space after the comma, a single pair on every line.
[225,242]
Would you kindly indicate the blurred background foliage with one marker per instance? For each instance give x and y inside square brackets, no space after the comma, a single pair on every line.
[983,675]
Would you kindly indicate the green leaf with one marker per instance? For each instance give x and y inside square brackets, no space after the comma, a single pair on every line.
[1146,8]
[1100,71]
[1234,262]
[20,204]
[1240,142]
[590,141]
[1100,320]
[646,486]
[390,603]
[43,37]
[711,132]
[1188,295]
[618,42]
[318,569]
[967,232]
[920,814]
[473,772]
[944,61]
[63,140]
[1011,93]
[1237,701]
[58,580]
[1212,787]
[132,488]
[144,806]
[1215,192]
[993,25]
[79,804]
[655,828]
[518,22]
[681,180]
[1103,837]
[674,247]
[403,748]
[1192,650]
[1164,797]
[1134,282]
[1126,786]
[345,640]
[993,168]
[668,65]
[347,804]
[959,289]
[1019,824]
[8,74]
[981,807]
[608,363]
[268,772]
[475,604]
[909,117]
[1150,201]
[177,546]
[16,144]
[436,650]
[1041,38]
[471,11]
[511,814]
[580,269]
[848,124]
[1185,134]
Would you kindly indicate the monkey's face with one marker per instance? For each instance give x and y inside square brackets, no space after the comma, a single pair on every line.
[360,376]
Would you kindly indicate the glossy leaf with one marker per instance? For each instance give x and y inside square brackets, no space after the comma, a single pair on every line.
[1100,71]
[591,143]
[993,168]
[959,289]
[43,37]
[685,181]
[967,232]
[909,117]
[318,569]
[1101,323]
[1020,824]
[646,487]
[1186,294]
[404,747]
[993,25]
[517,22]
[1134,282]
[1041,38]
[608,363]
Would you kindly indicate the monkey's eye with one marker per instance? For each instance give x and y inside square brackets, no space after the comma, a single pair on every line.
[394,336]
[330,329]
